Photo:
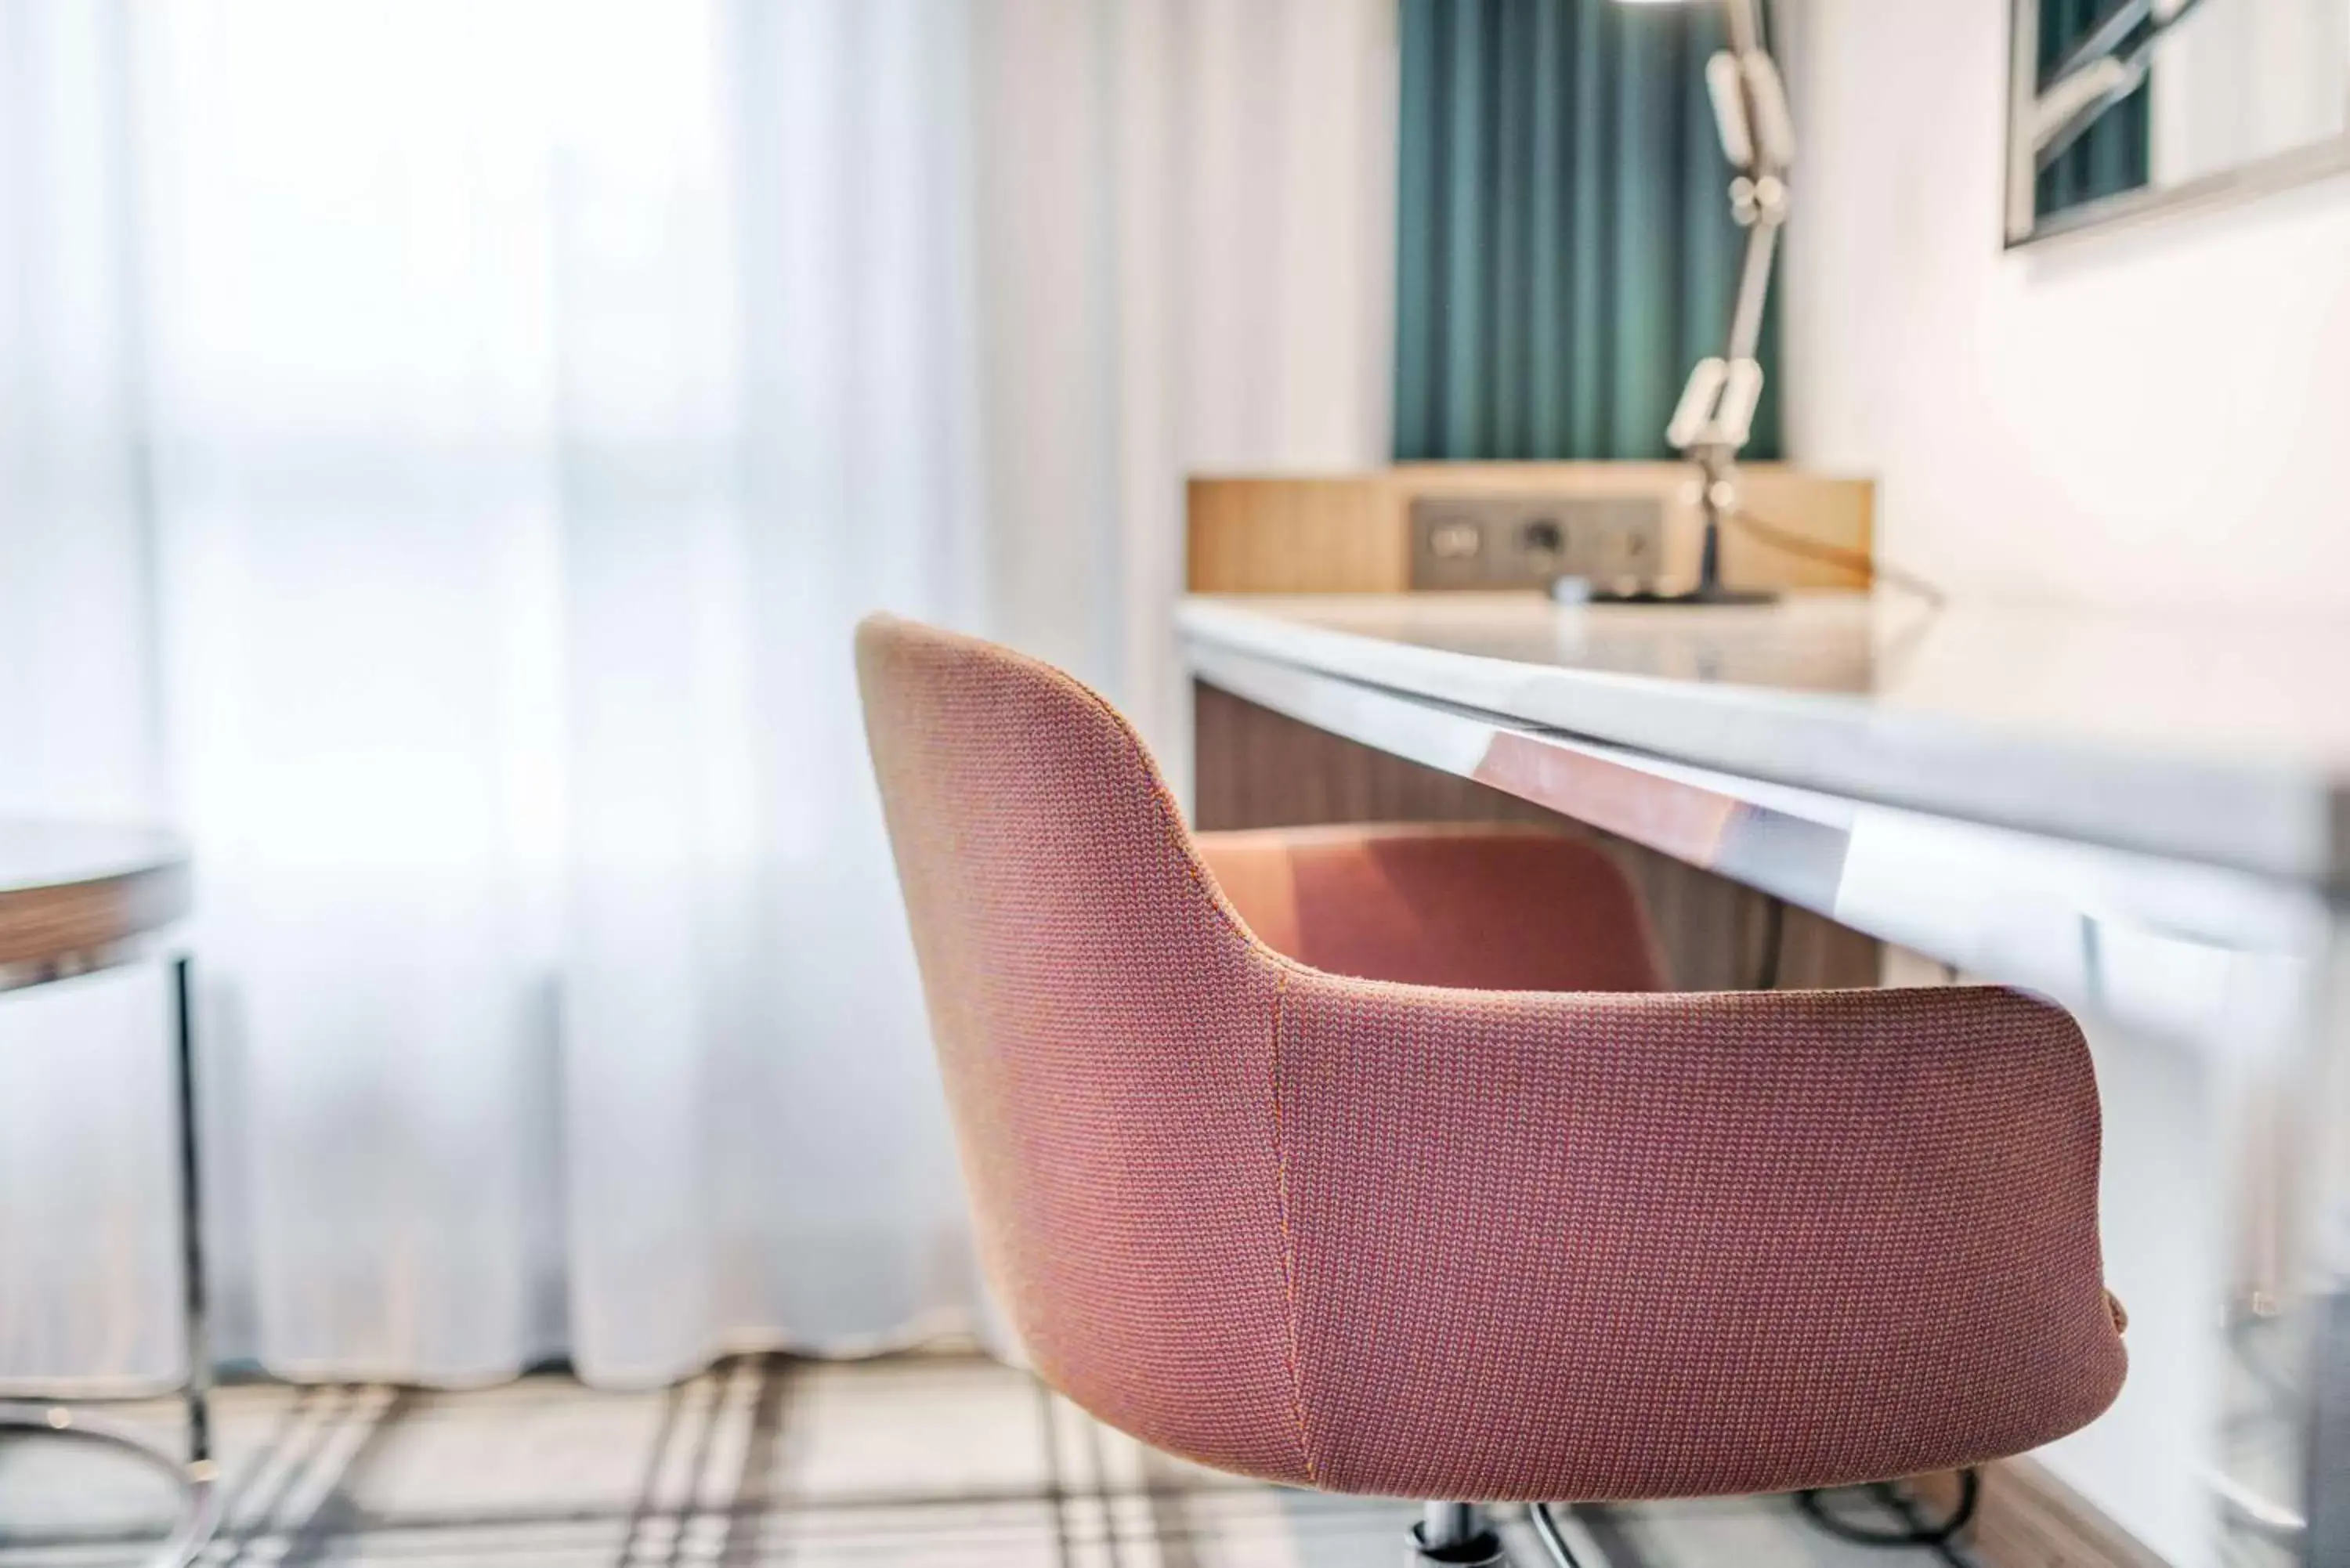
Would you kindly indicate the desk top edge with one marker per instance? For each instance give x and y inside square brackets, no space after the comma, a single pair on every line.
[2118,730]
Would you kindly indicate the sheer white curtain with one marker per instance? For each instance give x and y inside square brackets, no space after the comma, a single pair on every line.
[447,444]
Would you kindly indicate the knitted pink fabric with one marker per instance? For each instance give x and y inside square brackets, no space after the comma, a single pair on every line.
[1374,1236]
[1472,905]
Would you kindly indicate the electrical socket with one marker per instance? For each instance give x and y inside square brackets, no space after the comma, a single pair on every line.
[1531,541]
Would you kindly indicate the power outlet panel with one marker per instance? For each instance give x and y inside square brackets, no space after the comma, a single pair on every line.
[1531,541]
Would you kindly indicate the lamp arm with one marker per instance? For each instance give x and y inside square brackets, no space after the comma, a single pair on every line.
[1711,423]
[1745,27]
[1716,415]
[1754,287]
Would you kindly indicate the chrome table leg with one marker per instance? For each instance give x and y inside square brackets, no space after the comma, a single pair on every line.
[195,1477]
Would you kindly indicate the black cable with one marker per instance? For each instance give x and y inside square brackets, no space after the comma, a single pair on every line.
[1603,1524]
[1858,562]
[1914,1532]
[1546,1530]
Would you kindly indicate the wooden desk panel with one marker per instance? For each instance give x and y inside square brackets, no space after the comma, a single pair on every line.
[1350,532]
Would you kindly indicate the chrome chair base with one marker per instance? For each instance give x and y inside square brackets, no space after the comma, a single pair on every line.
[1457,1535]
[195,1481]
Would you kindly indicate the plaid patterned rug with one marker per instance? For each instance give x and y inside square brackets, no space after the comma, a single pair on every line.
[762,1461]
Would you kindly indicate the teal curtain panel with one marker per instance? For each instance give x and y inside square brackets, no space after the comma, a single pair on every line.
[1564,249]
[2113,155]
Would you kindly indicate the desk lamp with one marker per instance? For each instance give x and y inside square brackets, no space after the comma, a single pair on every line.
[1716,413]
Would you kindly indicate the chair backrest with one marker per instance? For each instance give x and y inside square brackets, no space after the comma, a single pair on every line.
[1453,1242]
[1106,1028]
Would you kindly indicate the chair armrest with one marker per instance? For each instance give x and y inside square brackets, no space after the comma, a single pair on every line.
[1791,1238]
[1475,905]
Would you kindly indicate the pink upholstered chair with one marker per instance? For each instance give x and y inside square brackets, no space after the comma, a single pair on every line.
[1375,1161]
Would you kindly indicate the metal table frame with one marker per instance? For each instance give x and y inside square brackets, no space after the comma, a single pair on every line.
[101,918]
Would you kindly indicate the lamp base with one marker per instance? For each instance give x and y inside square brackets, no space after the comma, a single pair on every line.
[1708,594]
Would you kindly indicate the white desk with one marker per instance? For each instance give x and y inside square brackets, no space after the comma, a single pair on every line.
[2148,818]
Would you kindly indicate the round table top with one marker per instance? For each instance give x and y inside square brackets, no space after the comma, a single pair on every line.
[71,891]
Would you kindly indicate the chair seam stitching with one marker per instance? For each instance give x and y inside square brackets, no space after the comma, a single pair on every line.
[1288,1247]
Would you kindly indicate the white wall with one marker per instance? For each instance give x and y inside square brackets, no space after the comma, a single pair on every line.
[2155,416]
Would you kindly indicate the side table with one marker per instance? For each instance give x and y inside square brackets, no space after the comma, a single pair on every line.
[76,898]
